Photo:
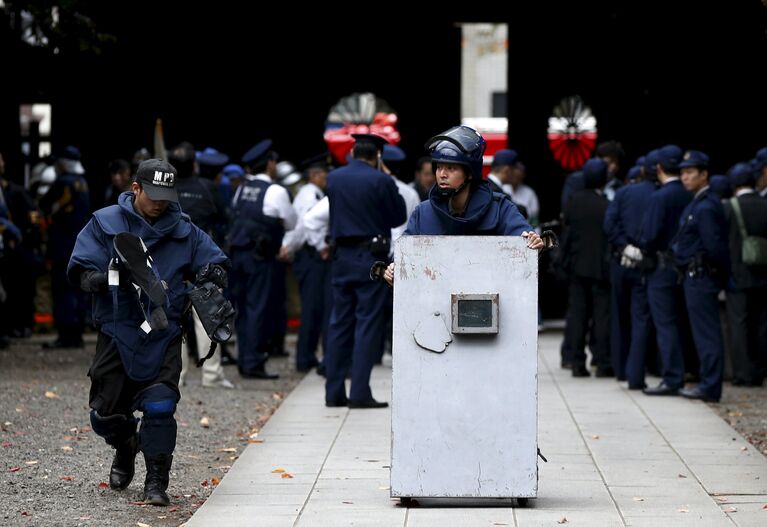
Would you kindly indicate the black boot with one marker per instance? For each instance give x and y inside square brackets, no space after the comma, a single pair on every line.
[157,475]
[124,464]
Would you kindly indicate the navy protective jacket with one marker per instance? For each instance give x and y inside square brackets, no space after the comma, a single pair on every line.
[178,249]
[487,213]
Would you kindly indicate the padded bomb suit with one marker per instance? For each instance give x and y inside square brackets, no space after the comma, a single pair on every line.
[134,370]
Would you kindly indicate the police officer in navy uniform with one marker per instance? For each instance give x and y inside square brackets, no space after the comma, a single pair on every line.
[759,165]
[364,207]
[747,290]
[630,324]
[701,250]
[659,226]
[67,207]
[137,364]
[261,214]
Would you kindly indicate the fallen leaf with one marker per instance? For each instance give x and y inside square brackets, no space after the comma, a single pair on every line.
[73,429]
[205,422]
[730,509]
[735,414]
[70,438]
[254,441]
[174,509]
[204,483]
[214,481]
[6,444]
[227,450]
[721,498]
[286,475]
[277,396]
[139,503]
[15,469]
[595,436]
[682,476]
[562,520]
[683,509]
[743,448]
[384,488]
[66,448]
[278,470]
[34,462]
[7,423]
[84,518]
[25,513]
[765,506]
[638,499]
[51,395]
[254,435]
[67,478]
[142,524]
[85,429]
[103,485]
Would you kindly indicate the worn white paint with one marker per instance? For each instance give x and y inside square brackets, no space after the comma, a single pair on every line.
[464,422]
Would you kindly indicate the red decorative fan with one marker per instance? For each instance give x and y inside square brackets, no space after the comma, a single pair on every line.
[358,113]
[572,133]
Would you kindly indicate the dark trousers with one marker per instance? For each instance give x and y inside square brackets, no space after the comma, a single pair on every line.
[703,309]
[278,310]
[747,313]
[313,276]
[69,305]
[356,325]
[251,280]
[666,309]
[589,301]
[630,324]
[113,393]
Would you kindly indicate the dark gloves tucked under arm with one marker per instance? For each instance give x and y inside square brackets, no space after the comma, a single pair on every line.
[212,273]
[93,281]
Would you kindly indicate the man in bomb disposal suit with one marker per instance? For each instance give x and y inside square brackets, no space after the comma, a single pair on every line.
[138,302]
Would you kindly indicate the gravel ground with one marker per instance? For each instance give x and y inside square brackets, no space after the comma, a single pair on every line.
[54,469]
[745,409]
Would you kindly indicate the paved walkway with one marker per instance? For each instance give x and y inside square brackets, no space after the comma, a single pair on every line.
[615,458]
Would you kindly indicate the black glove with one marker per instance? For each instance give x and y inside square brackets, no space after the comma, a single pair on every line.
[212,273]
[93,281]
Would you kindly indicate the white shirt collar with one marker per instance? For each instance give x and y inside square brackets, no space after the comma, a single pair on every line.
[701,191]
[744,191]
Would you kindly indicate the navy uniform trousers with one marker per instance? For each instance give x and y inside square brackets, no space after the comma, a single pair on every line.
[251,279]
[631,326]
[701,294]
[667,308]
[356,327]
[313,274]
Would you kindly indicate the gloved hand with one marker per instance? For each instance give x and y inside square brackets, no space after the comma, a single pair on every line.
[93,281]
[212,273]
[631,256]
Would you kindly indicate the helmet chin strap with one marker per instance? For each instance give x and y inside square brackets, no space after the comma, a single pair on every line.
[449,193]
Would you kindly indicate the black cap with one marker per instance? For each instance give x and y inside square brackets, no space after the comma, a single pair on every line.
[322,160]
[257,152]
[377,140]
[158,179]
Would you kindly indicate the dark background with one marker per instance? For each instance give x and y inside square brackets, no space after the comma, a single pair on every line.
[653,72]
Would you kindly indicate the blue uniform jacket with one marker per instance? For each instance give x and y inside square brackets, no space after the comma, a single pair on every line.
[364,202]
[661,221]
[623,218]
[179,249]
[703,231]
[487,213]
[67,204]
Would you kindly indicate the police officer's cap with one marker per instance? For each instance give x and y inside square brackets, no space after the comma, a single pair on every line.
[694,158]
[158,179]
[741,175]
[720,185]
[234,170]
[760,160]
[505,157]
[212,158]
[669,158]
[392,154]
[258,152]
[374,139]
[634,173]
[594,173]
[322,160]
[651,160]
[71,153]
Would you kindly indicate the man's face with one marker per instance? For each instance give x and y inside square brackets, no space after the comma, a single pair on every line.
[2,166]
[424,176]
[694,178]
[450,175]
[147,207]
[121,178]
[761,181]
[516,175]
[612,166]
[319,176]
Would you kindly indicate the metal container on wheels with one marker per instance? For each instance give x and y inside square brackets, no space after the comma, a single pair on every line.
[464,386]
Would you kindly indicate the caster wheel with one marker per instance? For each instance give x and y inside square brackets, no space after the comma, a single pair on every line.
[405,502]
[522,502]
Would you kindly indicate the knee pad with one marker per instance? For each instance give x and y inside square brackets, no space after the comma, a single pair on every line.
[157,401]
[115,429]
